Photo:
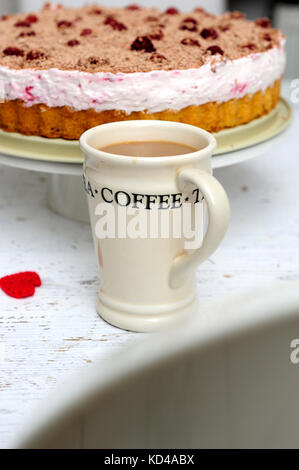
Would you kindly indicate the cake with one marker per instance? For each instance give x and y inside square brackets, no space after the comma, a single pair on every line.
[64,70]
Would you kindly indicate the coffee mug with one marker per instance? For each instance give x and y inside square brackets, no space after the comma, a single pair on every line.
[139,211]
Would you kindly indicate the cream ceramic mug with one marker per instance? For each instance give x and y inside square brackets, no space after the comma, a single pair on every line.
[148,282]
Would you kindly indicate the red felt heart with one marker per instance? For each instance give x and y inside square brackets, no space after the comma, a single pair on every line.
[20,285]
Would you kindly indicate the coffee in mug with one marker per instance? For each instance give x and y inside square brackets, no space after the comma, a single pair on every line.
[148,149]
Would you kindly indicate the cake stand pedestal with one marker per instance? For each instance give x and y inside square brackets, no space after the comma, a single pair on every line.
[67,197]
[62,160]
[65,193]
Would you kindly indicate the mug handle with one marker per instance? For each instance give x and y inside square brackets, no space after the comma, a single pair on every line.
[219,214]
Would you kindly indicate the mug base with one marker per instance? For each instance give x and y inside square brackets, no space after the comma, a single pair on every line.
[146,323]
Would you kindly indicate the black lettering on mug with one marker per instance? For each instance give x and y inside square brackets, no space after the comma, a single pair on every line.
[197,196]
[176,201]
[137,201]
[103,194]
[118,197]
[150,199]
[164,199]
[137,198]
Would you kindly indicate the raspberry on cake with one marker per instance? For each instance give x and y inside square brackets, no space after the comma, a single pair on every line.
[64,70]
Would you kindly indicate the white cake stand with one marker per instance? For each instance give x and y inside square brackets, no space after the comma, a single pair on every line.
[62,160]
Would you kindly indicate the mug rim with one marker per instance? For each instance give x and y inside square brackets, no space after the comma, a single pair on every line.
[148,161]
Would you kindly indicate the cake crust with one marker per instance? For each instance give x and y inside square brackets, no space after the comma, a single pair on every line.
[63,122]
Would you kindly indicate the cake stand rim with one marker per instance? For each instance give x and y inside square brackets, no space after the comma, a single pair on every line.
[225,158]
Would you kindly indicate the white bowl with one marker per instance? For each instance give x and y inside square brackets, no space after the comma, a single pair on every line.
[226,380]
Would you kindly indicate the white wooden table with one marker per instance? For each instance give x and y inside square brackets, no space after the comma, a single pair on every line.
[46,337]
